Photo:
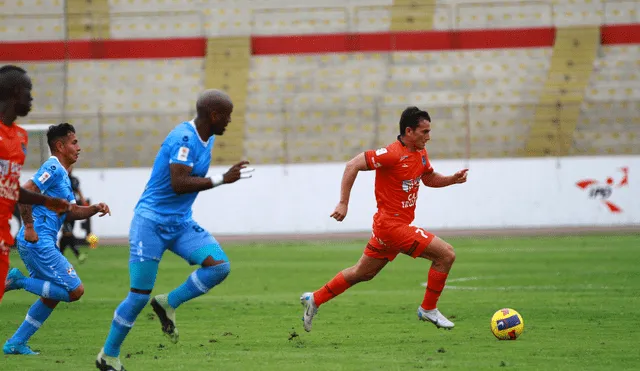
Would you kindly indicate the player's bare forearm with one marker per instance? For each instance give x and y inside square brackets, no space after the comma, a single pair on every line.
[183,182]
[349,176]
[82,212]
[437,180]
[31,192]
[30,197]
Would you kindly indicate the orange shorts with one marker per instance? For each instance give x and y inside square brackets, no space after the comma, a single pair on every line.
[389,241]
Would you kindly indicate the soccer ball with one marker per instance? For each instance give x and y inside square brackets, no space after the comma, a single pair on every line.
[507,324]
[93,241]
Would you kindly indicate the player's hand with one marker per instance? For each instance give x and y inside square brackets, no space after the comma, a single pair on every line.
[57,204]
[237,171]
[102,209]
[4,249]
[30,234]
[340,212]
[460,176]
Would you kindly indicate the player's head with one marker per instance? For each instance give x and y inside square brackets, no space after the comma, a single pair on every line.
[15,89]
[415,127]
[215,107]
[63,142]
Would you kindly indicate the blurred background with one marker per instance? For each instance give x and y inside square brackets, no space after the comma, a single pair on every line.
[316,83]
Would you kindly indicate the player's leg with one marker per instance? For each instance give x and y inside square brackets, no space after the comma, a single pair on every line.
[4,268]
[146,249]
[442,256]
[73,243]
[374,258]
[37,314]
[197,247]
[43,280]
[143,275]
[55,271]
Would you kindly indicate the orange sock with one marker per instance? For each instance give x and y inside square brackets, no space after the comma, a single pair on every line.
[4,268]
[435,285]
[333,288]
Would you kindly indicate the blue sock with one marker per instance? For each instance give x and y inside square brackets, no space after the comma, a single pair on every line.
[37,314]
[123,320]
[45,289]
[199,283]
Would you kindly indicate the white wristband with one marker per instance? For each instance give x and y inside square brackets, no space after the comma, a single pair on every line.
[217,179]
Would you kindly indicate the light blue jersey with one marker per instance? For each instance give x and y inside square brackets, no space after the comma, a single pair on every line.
[43,258]
[182,146]
[163,219]
[53,180]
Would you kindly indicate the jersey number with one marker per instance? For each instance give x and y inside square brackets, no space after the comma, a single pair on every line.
[418,230]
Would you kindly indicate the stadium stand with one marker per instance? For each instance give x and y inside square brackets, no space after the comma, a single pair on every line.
[573,95]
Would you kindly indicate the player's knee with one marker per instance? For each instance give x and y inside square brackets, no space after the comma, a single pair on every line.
[222,270]
[138,301]
[448,255]
[212,276]
[76,294]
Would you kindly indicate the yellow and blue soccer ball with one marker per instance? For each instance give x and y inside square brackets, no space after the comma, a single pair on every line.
[93,241]
[507,324]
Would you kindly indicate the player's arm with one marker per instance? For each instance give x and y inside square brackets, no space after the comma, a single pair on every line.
[78,212]
[437,180]
[28,197]
[26,210]
[183,182]
[355,165]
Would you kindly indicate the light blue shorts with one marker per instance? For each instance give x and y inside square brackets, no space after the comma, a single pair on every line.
[45,262]
[148,240]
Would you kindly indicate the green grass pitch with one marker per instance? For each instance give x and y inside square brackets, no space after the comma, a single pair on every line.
[579,297]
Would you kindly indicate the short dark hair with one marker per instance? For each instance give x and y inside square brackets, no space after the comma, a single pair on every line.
[10,78]
[411,117]
[57,132]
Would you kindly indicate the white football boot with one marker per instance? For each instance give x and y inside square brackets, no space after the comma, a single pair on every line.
[434,316]
[310,309]
[166,315]
[106,363]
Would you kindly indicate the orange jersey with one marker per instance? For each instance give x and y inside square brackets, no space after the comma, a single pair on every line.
[398,176]
[13,150]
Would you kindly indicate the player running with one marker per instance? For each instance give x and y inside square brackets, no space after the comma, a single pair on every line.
[399,169]
[163,220]
[15,101]
[51,276]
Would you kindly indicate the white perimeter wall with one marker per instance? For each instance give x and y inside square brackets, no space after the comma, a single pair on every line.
[300,198]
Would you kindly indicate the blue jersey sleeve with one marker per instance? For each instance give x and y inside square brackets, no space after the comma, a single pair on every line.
[47,175]
[182,150]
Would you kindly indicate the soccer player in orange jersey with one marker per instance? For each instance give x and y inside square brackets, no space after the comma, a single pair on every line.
[15,101]
[400,167]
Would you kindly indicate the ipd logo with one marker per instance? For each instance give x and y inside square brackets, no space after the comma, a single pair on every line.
[603,191]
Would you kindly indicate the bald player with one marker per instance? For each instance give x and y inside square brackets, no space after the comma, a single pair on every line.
[163,220]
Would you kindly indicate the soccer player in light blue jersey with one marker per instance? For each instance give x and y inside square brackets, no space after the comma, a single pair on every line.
[51,276]
[163,221]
